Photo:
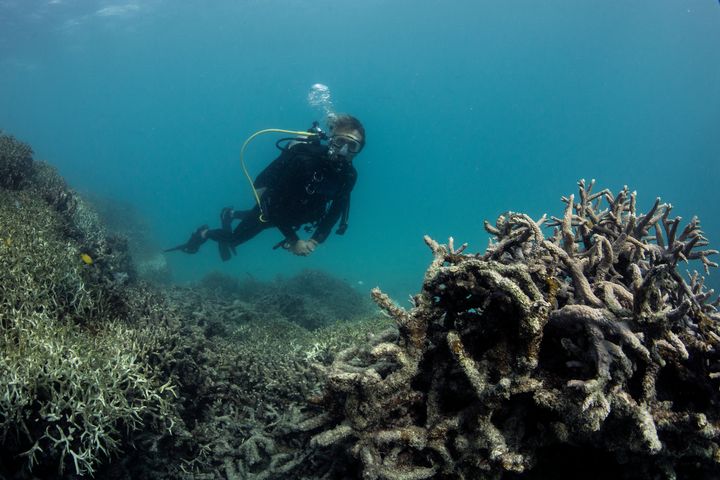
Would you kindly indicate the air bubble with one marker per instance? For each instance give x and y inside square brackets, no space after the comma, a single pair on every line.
[320,97]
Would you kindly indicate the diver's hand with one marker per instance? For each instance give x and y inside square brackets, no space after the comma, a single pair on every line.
[303,248]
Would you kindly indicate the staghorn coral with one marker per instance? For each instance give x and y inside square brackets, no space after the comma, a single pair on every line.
[331,297]
[311,299]
[541,353]
[243,377]
[75,381]
[68,393]
[74,218]
[16,163]
[68,397]
[123,220]
[78,223]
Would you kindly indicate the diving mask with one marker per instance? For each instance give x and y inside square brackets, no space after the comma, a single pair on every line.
[344,144]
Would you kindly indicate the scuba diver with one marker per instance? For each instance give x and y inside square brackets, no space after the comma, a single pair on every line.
[308,185]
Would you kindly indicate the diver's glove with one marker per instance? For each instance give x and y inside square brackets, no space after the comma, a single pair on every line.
[303,248]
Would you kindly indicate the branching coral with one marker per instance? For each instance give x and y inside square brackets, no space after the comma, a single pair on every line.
[74,376]
[244,375]
[311,299]
[521,362]
[16,163]
[586,339]
[72,396]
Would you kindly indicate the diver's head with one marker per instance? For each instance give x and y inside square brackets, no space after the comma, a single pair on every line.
[347,137]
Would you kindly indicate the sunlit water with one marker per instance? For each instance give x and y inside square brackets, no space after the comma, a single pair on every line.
[472,108]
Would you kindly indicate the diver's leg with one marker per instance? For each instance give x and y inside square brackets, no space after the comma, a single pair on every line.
[228,214]
[250,226]
[223,237]
[219,235]
[197,238]
[247,229]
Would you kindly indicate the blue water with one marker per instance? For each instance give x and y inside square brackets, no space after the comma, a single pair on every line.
[471,107]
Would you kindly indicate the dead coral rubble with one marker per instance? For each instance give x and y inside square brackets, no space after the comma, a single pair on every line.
[544,348]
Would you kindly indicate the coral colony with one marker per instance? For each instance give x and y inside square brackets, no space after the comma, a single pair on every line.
[72,377]
[582,354]
[589,339]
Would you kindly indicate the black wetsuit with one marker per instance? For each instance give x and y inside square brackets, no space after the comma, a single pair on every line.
[302,186]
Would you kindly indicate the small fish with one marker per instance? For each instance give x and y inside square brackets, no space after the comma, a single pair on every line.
[8,241]
[86,258]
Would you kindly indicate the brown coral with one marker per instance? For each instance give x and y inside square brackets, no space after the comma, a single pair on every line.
[544,348]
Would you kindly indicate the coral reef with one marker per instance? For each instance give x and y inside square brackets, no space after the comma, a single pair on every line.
[75,383]
[341,300]
[208,381]
[244,374]
[16,163]
[123,220]
[525,361]
[573,351]
[311,299]
[315,299]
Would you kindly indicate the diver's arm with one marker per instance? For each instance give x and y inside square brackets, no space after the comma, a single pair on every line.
[289,232]
[331,217]
[337,208]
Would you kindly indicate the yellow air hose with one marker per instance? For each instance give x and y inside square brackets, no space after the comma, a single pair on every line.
[242,160]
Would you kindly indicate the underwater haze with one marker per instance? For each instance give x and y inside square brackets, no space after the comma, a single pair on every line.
[472,108]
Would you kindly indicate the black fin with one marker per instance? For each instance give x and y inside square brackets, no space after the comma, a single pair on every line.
[173,249]
[225,250]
